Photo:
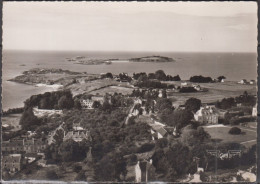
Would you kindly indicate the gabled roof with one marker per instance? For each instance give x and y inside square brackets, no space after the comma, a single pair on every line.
[162,131]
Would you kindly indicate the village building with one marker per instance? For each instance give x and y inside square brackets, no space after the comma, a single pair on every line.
[77,127]
[12,162]
[252,82]
[197,87]
[208,115]
[23,146]
[243,81]
[34,146]
[77,136]
[45,112]
[88,103]
[12,146]
[144,171]
[184,84]
[254,111]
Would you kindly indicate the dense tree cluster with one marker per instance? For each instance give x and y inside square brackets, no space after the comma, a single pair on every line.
[220,78]
[200,79]
[29,121]
[51,100]
[235,131]
[193,104]
[145,94]
[189,89]
[159,75]
[13,111]
[153,84]
[124,77]
[107,75]
[244,100]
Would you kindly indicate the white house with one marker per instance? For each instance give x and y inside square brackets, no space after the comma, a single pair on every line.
[243,81]
[87,103]
[254,111]
[184,84]
[252,82]
[247,175]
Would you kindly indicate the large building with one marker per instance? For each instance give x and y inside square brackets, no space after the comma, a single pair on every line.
[208,115]
[77,136]
[23,146]
[12,162]
[88,103]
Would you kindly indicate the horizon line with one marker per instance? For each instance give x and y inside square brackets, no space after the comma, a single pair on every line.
[24,50]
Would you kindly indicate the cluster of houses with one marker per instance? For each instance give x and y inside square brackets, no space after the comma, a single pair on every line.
[17,153]
[244,81]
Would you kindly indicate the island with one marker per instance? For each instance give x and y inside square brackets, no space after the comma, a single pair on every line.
[160,59]
[94,61]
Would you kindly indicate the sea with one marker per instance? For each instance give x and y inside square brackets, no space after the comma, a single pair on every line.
[234,66]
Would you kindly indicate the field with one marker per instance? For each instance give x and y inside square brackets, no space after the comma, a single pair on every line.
[247,137]
[12,120]
[113,89]
[216,91]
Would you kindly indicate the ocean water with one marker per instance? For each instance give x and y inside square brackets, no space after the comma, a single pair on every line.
[235,66]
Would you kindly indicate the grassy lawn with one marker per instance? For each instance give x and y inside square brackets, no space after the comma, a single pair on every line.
[112,90]
[12,120]
[216,91]
[221,133]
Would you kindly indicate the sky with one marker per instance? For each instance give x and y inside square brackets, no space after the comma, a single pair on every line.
[131,26]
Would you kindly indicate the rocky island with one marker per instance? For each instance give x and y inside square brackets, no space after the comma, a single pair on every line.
[160,59]
[51,76]
[92,61]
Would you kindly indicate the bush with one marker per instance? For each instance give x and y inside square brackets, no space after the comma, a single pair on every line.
[77,168]
[187,90]
[200,79]
[52,175]
[235,131]
[145,147]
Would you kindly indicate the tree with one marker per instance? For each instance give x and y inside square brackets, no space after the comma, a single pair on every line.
[164,94]
[163,103]
[193,137]
[77,104]
[110,167]
[221,77]
[73,151]
[181,118]
[193,104]
[52,175]
[235,131]
[65,102]
[160,75]
[109,75]
[44,104]
[96,104]
[28,120]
